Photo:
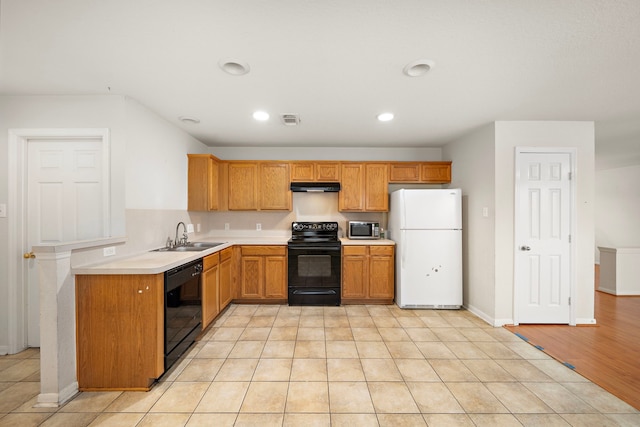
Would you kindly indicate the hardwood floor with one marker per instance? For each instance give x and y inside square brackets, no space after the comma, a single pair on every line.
[607,354]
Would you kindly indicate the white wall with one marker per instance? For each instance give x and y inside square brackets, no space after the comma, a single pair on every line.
[156,160]
[327,153]
[148,168]
[617,208]
[510,135]
[473,172]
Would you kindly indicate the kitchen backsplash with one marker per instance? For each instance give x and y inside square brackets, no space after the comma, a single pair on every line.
[147,229]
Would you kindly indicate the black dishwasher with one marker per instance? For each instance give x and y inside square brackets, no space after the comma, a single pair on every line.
[182,309]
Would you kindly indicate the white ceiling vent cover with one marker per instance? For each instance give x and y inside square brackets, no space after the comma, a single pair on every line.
[290,119]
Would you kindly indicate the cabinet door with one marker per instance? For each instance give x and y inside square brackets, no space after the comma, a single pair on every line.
[377,187]
[275,279]
[274,186]
[120,331]
[225,282]
[436,172]
[210,289]
[302,171]
[252,283]
[210,306]
[327,172]
[354,272]
[203,181]
[243,186]
[381,272]
[351,196]
[404,172]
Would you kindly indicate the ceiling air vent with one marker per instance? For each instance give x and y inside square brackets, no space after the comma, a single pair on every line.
[290,119]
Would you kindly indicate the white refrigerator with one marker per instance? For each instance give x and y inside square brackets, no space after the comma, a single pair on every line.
[427,228]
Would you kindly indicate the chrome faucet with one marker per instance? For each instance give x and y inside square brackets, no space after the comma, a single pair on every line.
[185,237]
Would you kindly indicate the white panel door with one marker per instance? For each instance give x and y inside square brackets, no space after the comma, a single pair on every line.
[543,248]
[65,203]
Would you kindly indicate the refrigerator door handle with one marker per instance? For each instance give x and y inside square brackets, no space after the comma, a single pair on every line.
[403,248]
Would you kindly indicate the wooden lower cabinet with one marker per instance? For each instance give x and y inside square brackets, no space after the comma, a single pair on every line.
[368,274]
[120,331]
[210,288]
[263,273]
[226,279]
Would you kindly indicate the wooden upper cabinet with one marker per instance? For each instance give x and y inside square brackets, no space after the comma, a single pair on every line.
[365,187]
[351,196]
[259,186]
[274,183]
[315,171]
[436,172]
[404,172]
[376,187]
[303,171]
[327,171]
[243,186]
[420,172]
[203,182]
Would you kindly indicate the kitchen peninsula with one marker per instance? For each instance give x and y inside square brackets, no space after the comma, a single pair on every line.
[121,305]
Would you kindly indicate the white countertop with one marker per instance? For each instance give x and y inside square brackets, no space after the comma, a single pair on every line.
[159,262]
[350,242]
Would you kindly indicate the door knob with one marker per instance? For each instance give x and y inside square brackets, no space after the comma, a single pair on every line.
[28,255]
[525,248]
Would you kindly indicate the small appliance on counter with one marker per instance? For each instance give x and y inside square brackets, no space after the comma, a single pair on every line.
[365,230]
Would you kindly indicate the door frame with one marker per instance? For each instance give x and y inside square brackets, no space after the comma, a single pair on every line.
[573,274]
[17,209]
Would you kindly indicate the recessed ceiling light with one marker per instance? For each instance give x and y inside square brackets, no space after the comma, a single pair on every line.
[418,68]
[385,117]
[234,67]
[261,116]
[187,119]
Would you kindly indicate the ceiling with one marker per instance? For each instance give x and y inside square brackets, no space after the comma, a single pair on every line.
[338,64]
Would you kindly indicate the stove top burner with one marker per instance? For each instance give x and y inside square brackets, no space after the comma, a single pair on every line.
[314,232]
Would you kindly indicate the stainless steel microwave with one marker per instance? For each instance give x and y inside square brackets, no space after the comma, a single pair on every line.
[363,230]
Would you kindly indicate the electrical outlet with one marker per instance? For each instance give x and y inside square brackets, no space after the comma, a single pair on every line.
[198,228]
[189,228]
[258,226]
[110,251]
[226,226]
[3,210]
[485,212]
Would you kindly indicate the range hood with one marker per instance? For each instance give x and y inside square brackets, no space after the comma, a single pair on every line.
[315,187]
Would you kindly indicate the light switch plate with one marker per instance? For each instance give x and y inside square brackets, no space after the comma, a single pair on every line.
[258,226]
[3,210]
[189,228]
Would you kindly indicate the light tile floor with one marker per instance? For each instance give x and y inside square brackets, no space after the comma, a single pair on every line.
[275,365]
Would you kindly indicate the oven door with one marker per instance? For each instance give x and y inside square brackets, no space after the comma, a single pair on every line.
[314,275]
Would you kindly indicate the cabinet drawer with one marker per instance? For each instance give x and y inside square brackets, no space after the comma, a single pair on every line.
[264,250]
[354,250]
[381,250]
[210,261]
[225,254]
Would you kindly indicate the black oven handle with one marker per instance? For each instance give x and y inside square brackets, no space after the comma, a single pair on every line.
[314,292]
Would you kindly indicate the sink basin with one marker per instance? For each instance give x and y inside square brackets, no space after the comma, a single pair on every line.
[204,244]
[190,247]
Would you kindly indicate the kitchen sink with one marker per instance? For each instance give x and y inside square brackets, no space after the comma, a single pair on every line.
[190,247]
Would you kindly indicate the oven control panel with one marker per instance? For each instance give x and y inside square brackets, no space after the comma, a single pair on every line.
[314,226]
